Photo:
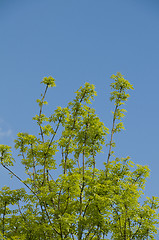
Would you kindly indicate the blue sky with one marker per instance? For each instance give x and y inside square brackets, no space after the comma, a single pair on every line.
[77,42]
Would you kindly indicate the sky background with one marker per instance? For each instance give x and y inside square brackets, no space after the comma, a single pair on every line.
[77,42]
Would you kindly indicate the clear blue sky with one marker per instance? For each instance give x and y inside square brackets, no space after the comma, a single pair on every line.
[79,41]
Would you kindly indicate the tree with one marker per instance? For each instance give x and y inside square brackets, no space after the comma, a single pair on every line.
[83,202]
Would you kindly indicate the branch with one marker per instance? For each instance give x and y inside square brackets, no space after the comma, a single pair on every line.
[41,112]
[74,122]
[4,213]
[112,133]
[19,179]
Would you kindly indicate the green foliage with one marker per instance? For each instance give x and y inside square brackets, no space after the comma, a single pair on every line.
[120,87]
[49,81]
[5,155]
[83,202]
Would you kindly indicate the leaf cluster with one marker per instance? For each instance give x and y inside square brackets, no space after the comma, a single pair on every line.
[82,202]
